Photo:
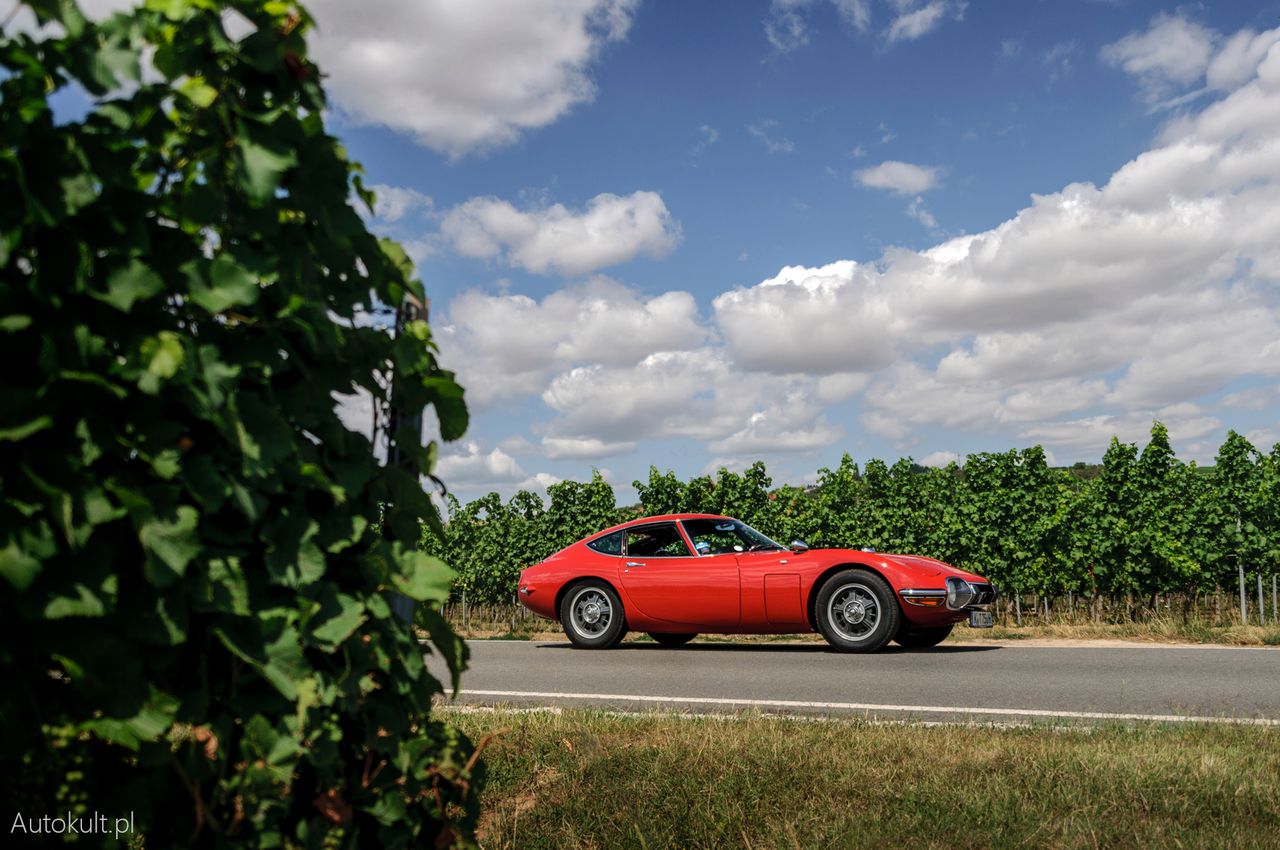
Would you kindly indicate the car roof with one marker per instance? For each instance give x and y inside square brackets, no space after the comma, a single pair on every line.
[658,518]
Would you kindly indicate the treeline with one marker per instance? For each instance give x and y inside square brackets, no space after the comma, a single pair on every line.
[1146,523]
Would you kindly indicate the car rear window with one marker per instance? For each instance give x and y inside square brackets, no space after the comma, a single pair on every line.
[610,544]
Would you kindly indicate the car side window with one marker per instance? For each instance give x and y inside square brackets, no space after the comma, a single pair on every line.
[656,541]
[713,537]
[610,544]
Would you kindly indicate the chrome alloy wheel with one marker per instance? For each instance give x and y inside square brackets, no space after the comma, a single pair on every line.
[590,612]
[853,611]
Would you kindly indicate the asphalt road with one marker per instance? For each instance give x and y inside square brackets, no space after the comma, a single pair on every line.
[952,682]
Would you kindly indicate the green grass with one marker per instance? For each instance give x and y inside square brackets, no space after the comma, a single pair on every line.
[584,779]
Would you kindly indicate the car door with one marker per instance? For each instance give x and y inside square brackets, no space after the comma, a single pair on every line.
[666,581]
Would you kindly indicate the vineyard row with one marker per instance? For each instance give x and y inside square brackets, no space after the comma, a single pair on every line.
[1141,524]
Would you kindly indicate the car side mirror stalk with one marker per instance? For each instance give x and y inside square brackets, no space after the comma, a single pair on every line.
[799,546]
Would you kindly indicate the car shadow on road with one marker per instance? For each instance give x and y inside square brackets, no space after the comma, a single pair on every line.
[811,648]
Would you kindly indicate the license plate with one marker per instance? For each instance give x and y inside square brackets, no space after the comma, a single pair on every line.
[981,620]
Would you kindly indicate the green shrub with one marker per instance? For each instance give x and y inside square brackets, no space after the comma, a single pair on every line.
[196,556]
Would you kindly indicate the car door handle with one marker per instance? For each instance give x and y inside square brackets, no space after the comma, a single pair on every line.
[635,563]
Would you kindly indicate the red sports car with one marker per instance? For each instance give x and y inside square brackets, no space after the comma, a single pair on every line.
[676,576]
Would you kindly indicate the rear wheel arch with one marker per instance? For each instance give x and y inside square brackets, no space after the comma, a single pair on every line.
[572,583]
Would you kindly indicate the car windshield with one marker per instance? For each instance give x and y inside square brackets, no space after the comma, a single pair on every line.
[718,536]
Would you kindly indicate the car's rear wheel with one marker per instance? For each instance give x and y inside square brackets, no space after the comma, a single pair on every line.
[856,611]
[668,639]
[922,638]
[592,615]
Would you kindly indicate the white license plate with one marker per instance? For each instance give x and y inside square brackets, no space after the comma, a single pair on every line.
[981,620]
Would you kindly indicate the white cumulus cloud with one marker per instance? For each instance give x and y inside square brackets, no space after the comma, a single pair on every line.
[584,448]
[1155,289]
[395,202]
[939,458]
[612,229]
[507,346]
[470,471]
[901,178]
[1172,52]
[912,23]
[463,76]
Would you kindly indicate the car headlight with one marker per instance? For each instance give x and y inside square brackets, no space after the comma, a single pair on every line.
[959,593]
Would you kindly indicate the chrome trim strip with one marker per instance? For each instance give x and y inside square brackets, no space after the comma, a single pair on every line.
[914,593]
[985,594]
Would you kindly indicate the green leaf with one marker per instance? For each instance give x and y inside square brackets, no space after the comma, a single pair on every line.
[132,283]
[13,324]
[398,256]
[85,603]
[424,578]
[173,543]
[64,12]
[174,623]
[311,562]
[113,64]
[150,723]
[346,619]
[233,286]
[198,91]
[167,463]
[163,355]
[450,407]
[454,649]
[262,166]
[77,193]
[18,568]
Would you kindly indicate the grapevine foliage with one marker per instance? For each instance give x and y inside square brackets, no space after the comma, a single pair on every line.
[195,554]
[1145,523]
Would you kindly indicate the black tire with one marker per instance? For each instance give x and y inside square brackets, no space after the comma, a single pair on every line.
[922,638]
[669,640]
[598,621]
[856,611]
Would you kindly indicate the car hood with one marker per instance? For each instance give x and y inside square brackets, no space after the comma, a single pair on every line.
[918,565]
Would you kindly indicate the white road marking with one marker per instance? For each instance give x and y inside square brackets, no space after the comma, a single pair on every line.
[872,707]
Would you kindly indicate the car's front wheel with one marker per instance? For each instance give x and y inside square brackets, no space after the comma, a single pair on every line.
[592,615]
[667,639]
[922,638]
[856,611]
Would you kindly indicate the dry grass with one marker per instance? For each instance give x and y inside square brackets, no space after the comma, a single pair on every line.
[1160,630]
[509,622]
[593,780]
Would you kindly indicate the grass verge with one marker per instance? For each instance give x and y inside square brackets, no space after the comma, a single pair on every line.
[583,779]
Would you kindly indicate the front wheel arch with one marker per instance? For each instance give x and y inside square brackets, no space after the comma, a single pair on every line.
[811,607]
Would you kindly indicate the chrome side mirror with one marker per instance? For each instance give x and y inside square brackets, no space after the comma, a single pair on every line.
[799,546]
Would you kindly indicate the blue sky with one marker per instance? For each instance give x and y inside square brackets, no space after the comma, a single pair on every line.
[699,234]
[695,234]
